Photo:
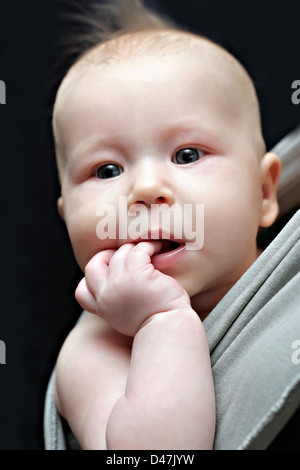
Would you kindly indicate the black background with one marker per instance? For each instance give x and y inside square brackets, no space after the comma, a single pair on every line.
[38,271]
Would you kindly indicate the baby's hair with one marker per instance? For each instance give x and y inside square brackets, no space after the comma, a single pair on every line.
[100,20]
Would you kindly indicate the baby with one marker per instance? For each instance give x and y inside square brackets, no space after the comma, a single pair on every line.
[158,117]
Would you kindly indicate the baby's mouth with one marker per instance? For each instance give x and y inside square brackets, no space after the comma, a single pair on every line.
[167,246]
[168,253]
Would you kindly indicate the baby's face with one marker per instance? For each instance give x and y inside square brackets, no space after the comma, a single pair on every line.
[163,131]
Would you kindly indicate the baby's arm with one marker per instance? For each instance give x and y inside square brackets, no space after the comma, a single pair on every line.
[157,396]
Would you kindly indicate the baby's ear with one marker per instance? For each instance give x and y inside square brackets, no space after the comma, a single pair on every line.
[270,174]
[60,207]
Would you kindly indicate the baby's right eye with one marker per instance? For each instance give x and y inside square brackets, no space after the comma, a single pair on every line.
[110,170]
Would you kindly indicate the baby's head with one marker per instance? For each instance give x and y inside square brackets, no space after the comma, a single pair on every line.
[166,117]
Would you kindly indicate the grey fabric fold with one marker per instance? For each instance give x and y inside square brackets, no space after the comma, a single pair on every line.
[54,434]
[288,149]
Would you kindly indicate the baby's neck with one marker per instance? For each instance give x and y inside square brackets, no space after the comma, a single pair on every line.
[204,302]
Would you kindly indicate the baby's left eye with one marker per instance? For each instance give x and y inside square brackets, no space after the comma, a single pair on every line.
[188,155]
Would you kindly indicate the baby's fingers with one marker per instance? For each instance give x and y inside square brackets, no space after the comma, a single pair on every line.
[97,269]
[84,297]
[142,252]
[133,256]
[148,247]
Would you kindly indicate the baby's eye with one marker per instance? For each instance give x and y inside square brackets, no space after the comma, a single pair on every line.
[110,170]
[186,156]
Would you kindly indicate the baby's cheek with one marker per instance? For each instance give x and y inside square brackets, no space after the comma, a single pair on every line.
[83,237]
[230,228]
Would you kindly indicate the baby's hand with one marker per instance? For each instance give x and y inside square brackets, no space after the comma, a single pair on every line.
[125,289]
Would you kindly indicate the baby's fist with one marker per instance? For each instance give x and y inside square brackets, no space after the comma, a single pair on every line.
[125,289]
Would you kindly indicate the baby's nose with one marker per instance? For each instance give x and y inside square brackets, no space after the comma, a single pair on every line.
[151,187]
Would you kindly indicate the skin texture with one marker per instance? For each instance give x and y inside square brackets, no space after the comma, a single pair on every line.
[137,113]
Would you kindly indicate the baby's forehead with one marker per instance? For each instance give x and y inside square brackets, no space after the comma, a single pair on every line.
[163,46]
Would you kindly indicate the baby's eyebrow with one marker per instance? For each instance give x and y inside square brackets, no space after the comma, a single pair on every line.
[200,133]
[91,144]
[187,127]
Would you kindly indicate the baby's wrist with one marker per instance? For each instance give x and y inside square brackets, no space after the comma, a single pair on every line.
[169,315]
